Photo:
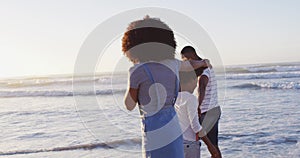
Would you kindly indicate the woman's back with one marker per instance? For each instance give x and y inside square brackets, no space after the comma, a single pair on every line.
[164,73]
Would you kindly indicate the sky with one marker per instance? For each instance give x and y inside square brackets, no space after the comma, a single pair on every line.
[44,37]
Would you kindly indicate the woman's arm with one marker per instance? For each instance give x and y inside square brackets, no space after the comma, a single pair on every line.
[131,98]
[190,65]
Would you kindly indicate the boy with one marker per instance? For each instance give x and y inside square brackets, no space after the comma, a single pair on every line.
[186,107]
[209,111]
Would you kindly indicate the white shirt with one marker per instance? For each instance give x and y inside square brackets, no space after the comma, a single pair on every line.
[186,107]
[211,92]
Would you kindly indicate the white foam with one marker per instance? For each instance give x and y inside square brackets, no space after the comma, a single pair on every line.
[57,93]
[266,75]
[270,85]
[263,68]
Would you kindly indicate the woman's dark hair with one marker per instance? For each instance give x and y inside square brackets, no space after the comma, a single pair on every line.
[149,39]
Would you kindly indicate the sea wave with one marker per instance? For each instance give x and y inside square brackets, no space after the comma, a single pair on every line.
[58,93]
[262,68]
[269,85]
[269,75]
[105,145]
[249,138]
[41,82]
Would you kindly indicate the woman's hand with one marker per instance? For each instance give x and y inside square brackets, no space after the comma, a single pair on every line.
[191,65]
[207,62]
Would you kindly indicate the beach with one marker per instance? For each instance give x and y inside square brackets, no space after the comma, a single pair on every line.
[39,116]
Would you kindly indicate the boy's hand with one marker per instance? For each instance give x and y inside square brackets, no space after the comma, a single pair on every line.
[197,136]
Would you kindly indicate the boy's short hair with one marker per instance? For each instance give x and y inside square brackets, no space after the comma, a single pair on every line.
[186,77]
[149,30]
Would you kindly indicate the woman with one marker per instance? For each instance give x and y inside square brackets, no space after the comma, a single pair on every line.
[153,84]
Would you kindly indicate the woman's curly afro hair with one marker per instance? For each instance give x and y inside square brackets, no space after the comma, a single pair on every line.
[149,39]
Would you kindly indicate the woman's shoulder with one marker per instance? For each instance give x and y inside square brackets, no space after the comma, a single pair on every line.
[135,68]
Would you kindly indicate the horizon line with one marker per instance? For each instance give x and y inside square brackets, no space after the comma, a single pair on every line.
[108,72]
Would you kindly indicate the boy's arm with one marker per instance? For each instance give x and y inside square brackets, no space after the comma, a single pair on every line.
[201,91]
[211,148]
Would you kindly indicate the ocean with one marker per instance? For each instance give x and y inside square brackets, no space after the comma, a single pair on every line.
[43,117]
